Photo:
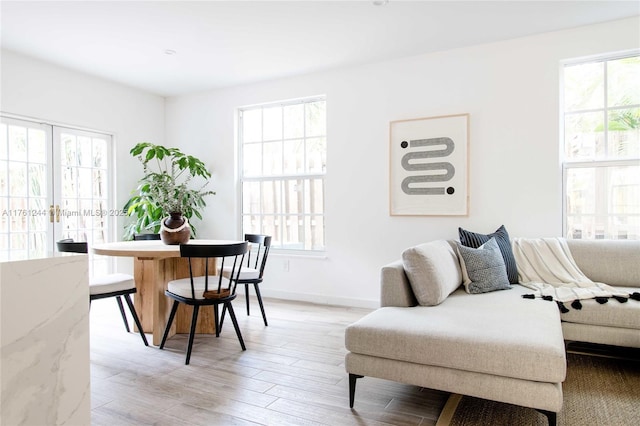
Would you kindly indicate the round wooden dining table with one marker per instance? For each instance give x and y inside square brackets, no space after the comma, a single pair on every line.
[154,265]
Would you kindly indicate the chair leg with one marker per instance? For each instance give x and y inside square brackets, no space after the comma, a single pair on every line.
[124,317]
[174,308]
[264,316]
[224,313]
[235,324]
[215,315]
[127,298]
[246,296]
[192,333]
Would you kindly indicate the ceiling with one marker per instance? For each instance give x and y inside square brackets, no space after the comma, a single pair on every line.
[225,43]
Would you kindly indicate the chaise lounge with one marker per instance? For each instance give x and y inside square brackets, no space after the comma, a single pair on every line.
[496,345]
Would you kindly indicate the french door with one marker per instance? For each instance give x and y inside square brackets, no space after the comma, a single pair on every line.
[55,183]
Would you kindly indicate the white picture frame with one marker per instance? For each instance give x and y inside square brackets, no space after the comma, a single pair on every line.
[429,166]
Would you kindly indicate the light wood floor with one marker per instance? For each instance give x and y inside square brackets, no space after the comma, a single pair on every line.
[292,373]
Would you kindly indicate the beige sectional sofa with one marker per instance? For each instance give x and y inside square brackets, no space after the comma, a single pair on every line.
[496,345]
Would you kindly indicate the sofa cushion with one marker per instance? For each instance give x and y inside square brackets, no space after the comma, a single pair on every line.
[496,333]
[433,271]
[475,240]
[483,268]
[610,314]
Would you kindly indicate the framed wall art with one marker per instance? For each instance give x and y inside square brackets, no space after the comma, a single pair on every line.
[429,166]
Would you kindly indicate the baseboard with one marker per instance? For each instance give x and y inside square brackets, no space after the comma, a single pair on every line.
[319,299]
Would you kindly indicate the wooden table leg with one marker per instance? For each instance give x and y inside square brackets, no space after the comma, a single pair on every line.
[153,307]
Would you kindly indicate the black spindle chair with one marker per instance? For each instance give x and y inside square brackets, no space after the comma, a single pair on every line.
[111,285]
[207,290]
[253,271]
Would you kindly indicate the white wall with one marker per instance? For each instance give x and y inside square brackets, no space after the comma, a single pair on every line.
[510,89]
[40,90]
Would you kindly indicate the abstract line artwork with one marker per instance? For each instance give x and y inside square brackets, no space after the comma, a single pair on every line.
[428,166]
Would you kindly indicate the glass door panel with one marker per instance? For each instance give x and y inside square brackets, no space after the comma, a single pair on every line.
[84,189]
[25,189]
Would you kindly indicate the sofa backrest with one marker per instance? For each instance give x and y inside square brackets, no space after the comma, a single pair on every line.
[613,262]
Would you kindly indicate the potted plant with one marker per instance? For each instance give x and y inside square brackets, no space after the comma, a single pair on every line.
[164,201]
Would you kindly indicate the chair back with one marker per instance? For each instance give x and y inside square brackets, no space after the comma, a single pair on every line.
[141,237]
[232,254]
[263,244]
[70,246]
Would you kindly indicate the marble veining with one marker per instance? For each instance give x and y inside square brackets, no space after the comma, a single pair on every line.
[44,341]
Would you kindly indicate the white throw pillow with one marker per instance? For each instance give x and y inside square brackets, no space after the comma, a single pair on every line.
[433,271]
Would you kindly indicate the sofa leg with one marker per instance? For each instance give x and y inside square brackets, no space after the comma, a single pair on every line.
[551,416]
[352,388]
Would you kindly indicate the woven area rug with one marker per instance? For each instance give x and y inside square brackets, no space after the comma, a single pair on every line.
[597,391]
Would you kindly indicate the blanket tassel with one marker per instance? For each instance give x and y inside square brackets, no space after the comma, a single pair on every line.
[548,298]
[562,308]
[602,300]
[576,304]
[528,296]
[635,296]
[621,299]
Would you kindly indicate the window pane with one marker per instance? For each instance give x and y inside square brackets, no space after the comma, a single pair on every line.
[84,151]
[293,233]
[603,202]
[293,196]
[294,121]
[271,226]
[100,153]
[272,159]
[18,179]
[68,156]
[293,156]
[272,197]
[622,81]
[315,119]
[37,146]
[99,183]
[37,180]
[584,86]
[624,133]
[581,191]
[315,229]
[316,155]
[252,125]
[84,183]
[314,198]
[251,197]
[252,159]
[17,143]
[272,124]
[3,142]
[4,216]
[584,136]
[251,224]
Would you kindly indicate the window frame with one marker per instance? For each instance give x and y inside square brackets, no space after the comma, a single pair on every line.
[305,177]
[568,164]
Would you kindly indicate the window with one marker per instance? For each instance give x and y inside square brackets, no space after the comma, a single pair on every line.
[601,164]
[283,162]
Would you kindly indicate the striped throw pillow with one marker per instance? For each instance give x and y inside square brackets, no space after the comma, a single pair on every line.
[475,240]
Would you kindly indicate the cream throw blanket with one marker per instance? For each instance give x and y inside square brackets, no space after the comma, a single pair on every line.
[546,266]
